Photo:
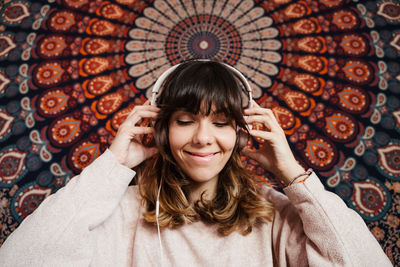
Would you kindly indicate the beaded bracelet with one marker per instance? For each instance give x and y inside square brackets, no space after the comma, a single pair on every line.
[307,174]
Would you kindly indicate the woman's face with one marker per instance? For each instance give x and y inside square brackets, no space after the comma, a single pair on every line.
[201,145]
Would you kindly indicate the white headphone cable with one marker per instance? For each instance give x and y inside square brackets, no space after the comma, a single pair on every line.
[158,224]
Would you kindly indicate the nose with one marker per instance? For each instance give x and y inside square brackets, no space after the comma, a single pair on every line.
[203,134]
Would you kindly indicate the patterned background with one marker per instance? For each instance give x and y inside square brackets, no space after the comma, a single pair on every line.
[71,70]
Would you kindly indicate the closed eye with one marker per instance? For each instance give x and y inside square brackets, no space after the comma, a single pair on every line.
[182,122]
[221,124]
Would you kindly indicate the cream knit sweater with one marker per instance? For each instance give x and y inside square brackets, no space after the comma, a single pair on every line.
[95,220]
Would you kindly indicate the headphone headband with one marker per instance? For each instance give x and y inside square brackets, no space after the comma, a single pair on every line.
[156,88]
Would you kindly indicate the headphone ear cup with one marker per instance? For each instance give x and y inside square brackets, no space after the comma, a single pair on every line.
[242,139]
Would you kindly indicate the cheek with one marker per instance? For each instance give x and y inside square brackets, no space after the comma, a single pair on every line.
[227,140]
[177,138]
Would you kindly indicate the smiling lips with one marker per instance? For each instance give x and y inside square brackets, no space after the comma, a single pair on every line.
[201,157]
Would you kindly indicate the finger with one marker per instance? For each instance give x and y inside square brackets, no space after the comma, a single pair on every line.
[135,131]
[267,136]
[140,114]
[259,122]
[269,120]
[271,114]
[261,111]
[255,110]
[143,107]
[129,132]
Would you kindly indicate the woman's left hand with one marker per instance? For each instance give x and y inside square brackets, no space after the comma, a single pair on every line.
[275,154]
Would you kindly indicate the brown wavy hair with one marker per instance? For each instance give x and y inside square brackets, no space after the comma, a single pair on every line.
[201,87]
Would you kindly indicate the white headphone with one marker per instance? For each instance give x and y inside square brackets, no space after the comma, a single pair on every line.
[157,86]
[154,95]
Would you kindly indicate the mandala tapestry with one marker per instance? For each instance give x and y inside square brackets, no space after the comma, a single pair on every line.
[71,71]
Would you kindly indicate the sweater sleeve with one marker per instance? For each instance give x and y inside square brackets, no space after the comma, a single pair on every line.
[314,227]
[59,230]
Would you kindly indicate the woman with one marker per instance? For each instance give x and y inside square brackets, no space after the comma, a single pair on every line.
[210,211]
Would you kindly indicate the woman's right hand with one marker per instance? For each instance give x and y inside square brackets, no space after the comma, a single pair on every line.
[127,146]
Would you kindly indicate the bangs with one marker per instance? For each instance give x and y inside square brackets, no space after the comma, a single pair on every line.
[203,99]
[203,87]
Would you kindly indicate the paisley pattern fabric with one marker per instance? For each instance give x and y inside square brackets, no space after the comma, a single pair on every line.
[71,71]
